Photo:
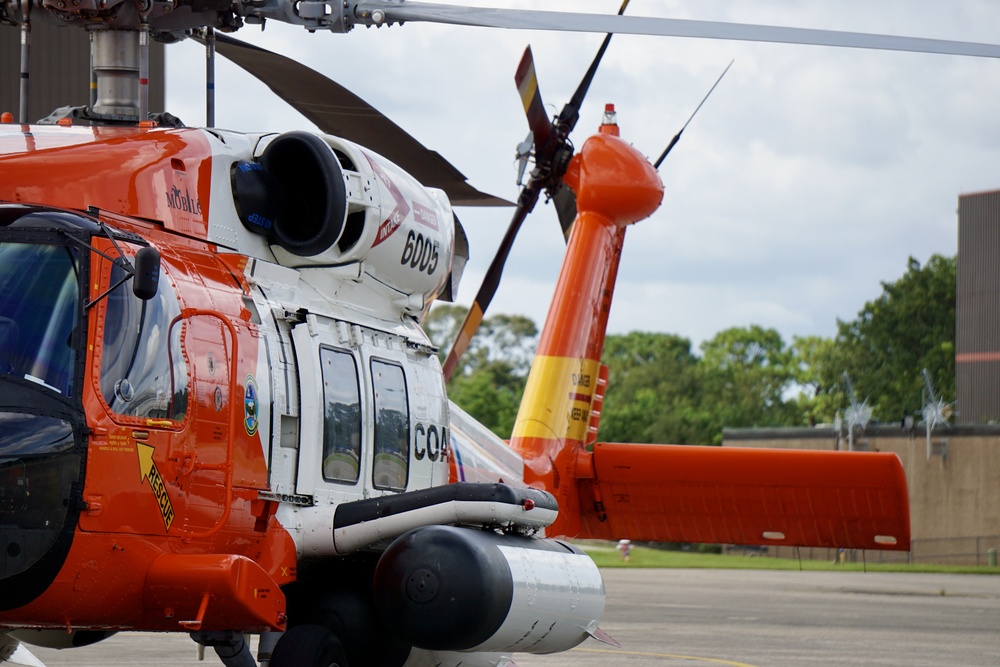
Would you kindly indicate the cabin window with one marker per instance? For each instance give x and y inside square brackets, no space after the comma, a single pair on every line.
[392,427]
[341,417]
[143,372]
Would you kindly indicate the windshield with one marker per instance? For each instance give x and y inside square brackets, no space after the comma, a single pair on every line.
[40,441]
[39,297]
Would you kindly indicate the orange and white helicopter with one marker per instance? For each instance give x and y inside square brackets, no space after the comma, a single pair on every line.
[219,413]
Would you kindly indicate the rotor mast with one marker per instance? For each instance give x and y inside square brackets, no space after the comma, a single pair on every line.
[121,73]
[22,107]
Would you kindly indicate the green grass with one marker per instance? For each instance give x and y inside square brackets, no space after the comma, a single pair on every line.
[605,555]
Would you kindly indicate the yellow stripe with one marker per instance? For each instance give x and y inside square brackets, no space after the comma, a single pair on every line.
[715,661]
[528,87]
[557,398]
[472,322]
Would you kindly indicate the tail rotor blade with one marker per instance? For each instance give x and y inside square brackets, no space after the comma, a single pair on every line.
[531,98]
[571,112]
[552,154]
[562,197]
[565,203]
[485,294]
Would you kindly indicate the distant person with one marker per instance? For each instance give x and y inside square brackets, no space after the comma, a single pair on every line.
[624,546]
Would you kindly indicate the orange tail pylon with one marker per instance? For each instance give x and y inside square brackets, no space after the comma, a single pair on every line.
[615,186]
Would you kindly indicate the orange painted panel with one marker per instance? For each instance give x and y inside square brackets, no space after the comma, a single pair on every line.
[211,592]
[746,496]
[157,174]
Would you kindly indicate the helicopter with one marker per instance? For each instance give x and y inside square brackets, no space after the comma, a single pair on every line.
[222,416]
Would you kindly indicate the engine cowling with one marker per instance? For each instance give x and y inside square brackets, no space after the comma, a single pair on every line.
[322,202]
[444,588]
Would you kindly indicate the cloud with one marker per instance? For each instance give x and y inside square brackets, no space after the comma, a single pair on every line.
[811,175]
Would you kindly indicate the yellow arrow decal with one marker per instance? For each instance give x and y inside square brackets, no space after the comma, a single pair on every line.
[149,472]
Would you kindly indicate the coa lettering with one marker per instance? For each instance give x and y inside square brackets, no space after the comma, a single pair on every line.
[430,442]
[420,253]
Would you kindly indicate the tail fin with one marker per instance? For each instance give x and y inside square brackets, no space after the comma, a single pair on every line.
[615,186]
[660,492]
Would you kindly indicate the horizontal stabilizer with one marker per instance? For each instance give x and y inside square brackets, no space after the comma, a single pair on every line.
[715,495]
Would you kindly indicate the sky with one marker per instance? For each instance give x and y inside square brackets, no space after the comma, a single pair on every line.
[809,177]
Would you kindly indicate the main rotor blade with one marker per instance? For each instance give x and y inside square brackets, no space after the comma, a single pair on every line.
[336,110]
[400,10]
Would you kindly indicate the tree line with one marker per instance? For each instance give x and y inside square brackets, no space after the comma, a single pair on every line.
[661,390]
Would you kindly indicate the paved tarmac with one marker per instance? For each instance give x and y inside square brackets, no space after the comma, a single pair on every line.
[786,619]
[740,618]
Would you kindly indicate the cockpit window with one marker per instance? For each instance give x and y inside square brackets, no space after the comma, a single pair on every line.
[39,297]
[143,372]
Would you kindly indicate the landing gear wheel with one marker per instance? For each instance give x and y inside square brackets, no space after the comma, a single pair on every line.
[308,646]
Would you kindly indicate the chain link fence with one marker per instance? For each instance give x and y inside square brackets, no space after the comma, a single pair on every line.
[980,551]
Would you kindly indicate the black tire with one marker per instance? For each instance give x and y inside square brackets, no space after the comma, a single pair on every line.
[367,641]
[308,646]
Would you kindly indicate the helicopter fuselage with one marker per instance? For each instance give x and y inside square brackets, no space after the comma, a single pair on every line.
[170,463]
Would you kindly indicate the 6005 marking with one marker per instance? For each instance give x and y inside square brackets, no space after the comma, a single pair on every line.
[420,253]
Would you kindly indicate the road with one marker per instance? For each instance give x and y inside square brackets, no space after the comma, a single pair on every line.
[740,618]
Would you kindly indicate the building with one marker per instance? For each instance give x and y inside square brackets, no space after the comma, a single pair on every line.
[60,70]
[977,312]
[953,473]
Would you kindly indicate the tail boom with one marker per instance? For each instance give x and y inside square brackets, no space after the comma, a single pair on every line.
[552,423]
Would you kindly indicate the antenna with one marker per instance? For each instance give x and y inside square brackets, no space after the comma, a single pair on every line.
[677,137]
[935,411]
[858,414]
